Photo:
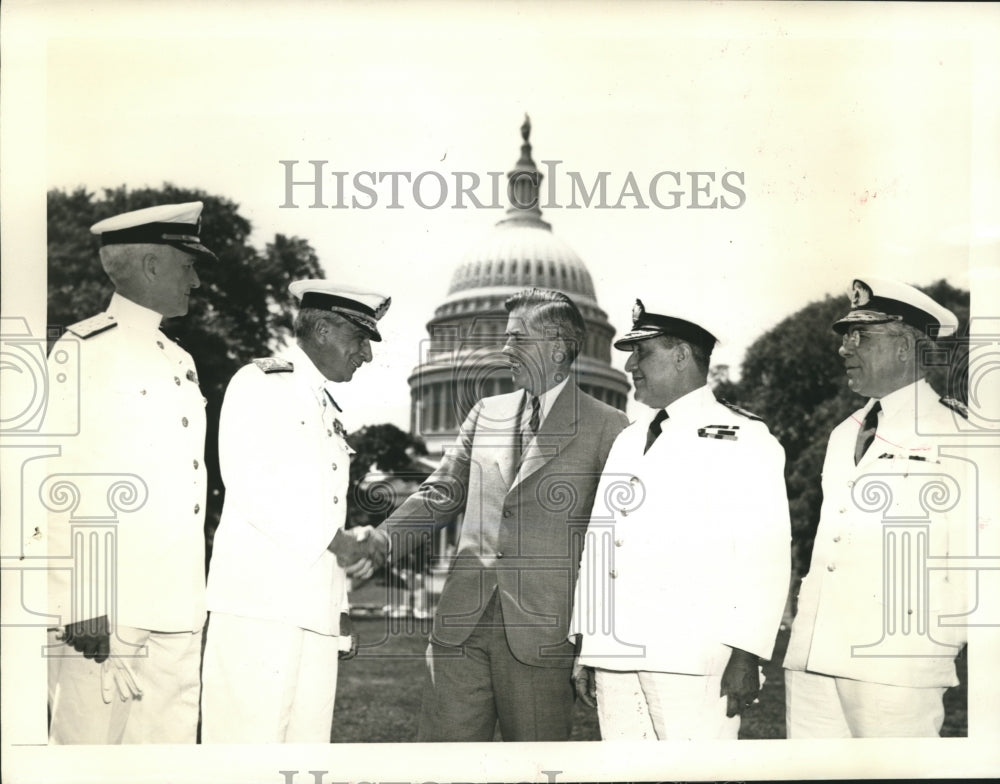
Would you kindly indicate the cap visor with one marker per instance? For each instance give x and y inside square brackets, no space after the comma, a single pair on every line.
[634,336]
[857,317]
[369,330]
[195,248]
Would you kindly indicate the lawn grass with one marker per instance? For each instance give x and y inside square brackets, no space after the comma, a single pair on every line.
[378,693]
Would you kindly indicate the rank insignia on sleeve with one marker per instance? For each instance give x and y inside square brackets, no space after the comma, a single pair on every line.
[723,432]
[274,365]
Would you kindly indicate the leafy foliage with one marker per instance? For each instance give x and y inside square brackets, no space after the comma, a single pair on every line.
[241,311]
[792,377]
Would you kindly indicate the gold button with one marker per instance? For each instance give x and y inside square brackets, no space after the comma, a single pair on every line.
[177,381]
[624,512]
[499,555]
[159,343]
[142,391]
[613,573]
[842,510]
[334,466]
[328,432]
[634,480]
[619,542]
[507,513]
[831,567]
[836,538]
[197,508]
[184,421]
[335,499]
[196,463]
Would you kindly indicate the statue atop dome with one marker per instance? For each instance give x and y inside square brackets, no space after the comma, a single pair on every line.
[520,251]
[523,184]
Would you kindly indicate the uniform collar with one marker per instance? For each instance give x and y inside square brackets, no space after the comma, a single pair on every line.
[903,400]
[691,404]
[131,315]
[311,376]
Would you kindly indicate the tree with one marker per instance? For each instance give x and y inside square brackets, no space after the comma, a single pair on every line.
[793,378]
[390,450]
[241,311]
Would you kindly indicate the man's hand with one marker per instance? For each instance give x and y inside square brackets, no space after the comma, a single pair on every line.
[347,633]
[90,637]
[360,550]
[585,685]
[740,682]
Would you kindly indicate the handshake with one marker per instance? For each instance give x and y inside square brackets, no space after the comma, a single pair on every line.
[360,550]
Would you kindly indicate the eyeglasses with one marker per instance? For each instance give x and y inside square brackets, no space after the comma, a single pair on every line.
[853,339]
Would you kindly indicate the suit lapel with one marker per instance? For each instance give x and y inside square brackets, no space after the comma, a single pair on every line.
[558,429]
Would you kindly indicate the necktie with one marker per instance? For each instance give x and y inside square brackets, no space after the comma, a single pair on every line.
[330,398]
[528,433]
[654,429]
[867,432]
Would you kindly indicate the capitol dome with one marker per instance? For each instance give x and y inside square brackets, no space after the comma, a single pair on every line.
[461,362]
[518,254]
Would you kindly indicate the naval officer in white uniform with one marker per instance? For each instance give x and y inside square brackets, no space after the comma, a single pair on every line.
[127,671]
[877,629]
[276,593]
[685,570]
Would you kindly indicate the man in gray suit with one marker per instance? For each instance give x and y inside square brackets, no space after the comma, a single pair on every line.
[523,470]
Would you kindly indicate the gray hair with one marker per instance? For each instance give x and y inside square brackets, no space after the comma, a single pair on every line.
[552,308]
[121,262]
[902,329]
[308,321]
[700,356]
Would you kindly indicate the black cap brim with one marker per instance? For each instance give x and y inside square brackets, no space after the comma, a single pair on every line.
[367,328]
[195,249]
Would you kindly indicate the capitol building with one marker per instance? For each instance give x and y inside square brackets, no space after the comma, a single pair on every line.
[461,360]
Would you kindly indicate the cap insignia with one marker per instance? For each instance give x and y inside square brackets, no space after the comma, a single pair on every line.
[861,294]
[638,311]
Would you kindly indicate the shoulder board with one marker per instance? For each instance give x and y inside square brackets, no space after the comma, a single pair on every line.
[956,405]
[95,325]
[274,365]
[740,411]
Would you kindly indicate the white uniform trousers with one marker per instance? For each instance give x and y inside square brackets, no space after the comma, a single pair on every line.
[267,681]
[86,698]
[662,706]
[822,706]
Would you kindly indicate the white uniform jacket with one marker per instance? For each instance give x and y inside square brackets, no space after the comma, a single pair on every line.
[882,523]
[141,413]
[285,464]
[688,547]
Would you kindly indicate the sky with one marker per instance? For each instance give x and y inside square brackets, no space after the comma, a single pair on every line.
[864,136]
[853,148]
